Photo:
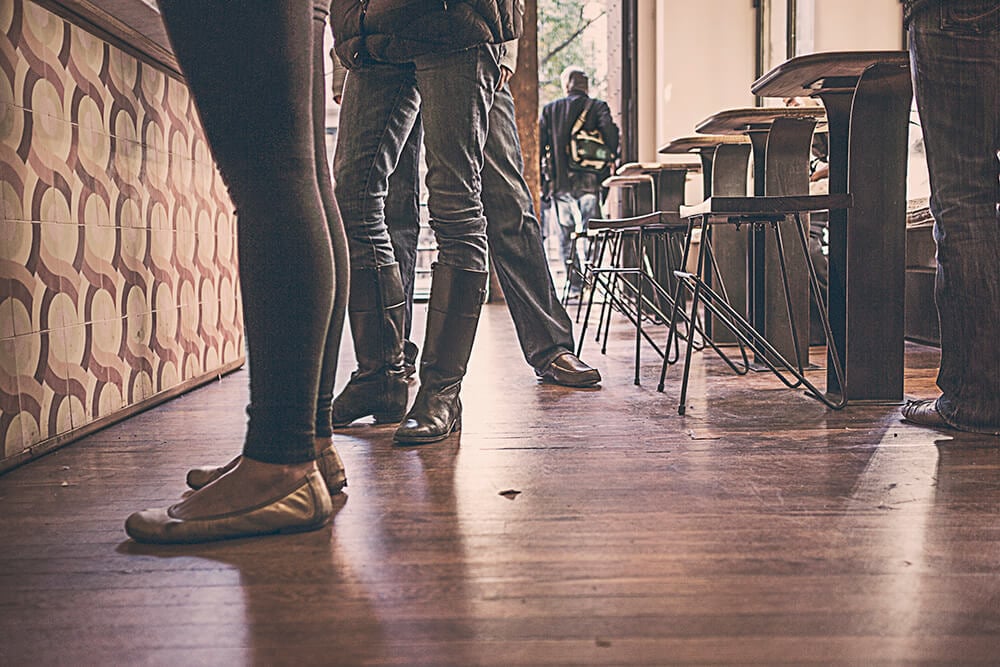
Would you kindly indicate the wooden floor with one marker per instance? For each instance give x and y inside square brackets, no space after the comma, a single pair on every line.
[564,527]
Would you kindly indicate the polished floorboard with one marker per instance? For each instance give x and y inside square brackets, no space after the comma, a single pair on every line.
[562,527]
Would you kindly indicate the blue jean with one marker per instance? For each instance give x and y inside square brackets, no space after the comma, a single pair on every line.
[955,62]
[402,215]
[543,327]
[453,94]
[573,212]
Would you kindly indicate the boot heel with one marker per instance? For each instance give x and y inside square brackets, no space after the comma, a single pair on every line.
[389,417]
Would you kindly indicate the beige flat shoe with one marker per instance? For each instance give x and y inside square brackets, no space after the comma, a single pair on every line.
[303,506]
[328,461]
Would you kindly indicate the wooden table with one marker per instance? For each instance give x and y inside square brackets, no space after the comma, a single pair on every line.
[867,96]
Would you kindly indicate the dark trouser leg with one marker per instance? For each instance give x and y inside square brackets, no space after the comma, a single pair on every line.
[543,327]
[454,150]
[328,371]
[956,70]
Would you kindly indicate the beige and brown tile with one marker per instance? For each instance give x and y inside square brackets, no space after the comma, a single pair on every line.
[117,238]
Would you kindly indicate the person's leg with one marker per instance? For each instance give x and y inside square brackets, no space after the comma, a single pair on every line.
[457,92]
[567,214]
[955,61]
[402,213]
[327,458]
[402,217]
[818,223]
[589,205]
[379,109]
[329,462]
[543,327]
[251,105]
[338,238]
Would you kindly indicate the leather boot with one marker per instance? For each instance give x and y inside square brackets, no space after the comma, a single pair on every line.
[376,311]
[452,315]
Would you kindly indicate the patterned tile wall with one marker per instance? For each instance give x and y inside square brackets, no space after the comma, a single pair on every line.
[117,239]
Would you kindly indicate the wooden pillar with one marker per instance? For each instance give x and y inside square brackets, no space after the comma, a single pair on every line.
[524,88]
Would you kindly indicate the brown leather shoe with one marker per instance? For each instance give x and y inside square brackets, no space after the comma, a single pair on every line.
[925,413]
[569,371]
[303,506]
[328,461]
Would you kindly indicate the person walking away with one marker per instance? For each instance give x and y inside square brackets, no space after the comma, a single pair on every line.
[575,193]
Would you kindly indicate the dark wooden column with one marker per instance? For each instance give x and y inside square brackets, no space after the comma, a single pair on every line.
[524,87]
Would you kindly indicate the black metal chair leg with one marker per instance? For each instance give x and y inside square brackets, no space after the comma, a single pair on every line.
[681,405]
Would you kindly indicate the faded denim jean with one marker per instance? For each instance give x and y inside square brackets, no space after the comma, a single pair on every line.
[402,215]
[573,213]
[453,94]
[543,327]
[955,61]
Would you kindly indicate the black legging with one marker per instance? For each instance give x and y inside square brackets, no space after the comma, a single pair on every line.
[338,237]
[252,70]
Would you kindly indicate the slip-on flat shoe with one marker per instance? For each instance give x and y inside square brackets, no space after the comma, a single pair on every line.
[328,461]
[924,412]
[569,371]
[302,506]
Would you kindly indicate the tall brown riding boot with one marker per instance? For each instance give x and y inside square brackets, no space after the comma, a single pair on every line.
[453,313]
[376,310]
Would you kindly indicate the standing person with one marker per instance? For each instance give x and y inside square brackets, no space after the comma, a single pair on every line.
[401,212]
[253,76]
[543,326]
[440,60]
[575,193]
[955,64]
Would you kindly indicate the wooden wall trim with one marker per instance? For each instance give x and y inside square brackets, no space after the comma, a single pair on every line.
[68,437]
[142,35]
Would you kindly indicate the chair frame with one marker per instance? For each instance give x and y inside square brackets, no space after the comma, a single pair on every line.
[762,214]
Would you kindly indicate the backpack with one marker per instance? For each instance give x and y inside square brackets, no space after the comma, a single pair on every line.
[586,148]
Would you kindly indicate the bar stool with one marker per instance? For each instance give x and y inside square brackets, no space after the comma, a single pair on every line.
[725,163]
[635,255]
[763,215]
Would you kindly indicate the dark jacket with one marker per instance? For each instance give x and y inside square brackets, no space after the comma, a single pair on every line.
[397,31]
[553,136]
